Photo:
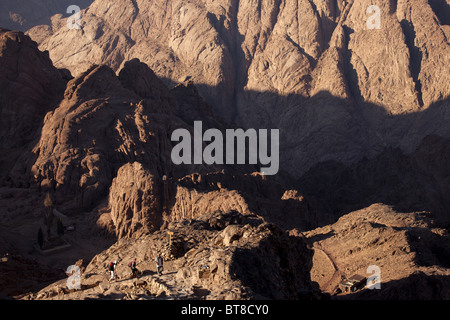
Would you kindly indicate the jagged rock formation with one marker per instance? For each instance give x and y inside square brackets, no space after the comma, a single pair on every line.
[100,142]
[337,88]
[410,251]
[30,85]
[221,252]
[104,122]
[141,203]
[98,126]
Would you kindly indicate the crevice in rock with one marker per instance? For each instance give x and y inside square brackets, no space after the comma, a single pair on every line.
[415,57]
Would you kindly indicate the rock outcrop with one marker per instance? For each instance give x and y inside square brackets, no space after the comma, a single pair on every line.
[135,202]
[104,122]
[408,249]
[141,203]
[219,259]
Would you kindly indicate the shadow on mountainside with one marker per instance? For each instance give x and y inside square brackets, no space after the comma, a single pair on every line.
[348,157]
[279,268]
[352,155]
[418,286]
[442,10]
[410,182]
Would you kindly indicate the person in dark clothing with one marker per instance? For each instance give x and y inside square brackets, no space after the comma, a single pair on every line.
[159,264]
[112,269]
[134,270]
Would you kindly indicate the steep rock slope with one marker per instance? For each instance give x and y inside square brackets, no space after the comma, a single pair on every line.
[336,87]
[142,203]
[214,256]
[30,86]
[411,253]
[101,125]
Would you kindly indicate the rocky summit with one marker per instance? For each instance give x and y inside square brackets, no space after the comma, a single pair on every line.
[358,91]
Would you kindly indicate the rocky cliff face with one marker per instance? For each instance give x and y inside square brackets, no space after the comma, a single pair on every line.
[141,203]
[135,202]
[337,86]
[98,126]
[104,122]
[30,87]
[109,136]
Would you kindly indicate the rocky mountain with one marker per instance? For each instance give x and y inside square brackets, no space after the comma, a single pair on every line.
[31,86]
[337,87]
[107,136]
[360,97]
[212,257]
[410,251]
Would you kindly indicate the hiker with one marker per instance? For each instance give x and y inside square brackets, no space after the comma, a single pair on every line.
[159,264]
[112,268]
[134,270]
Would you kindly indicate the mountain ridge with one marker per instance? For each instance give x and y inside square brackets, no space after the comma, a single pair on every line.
[261,67]
[87,121]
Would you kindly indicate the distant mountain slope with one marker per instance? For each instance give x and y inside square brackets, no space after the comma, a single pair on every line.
[337,88]
[30,86]
[25,14]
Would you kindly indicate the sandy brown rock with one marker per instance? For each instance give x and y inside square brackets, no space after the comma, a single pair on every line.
[99,126]
[336,88]
[387,178]
[206,268]
[399,244]
[134,200]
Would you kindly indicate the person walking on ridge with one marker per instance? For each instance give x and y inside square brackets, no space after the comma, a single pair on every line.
[159,264]
[112,269]
[134,270]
